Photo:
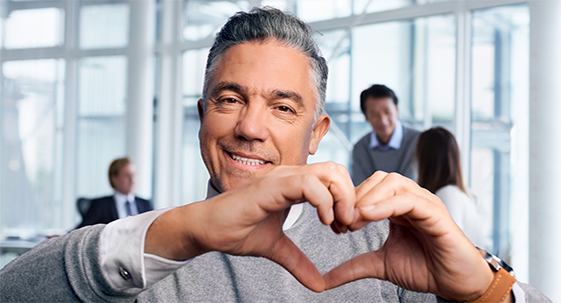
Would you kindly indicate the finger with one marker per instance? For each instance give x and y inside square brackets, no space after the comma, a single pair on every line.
[320,197]
[395,196]
[368,265]
[338,227]
[338,181]
[381,186]
[416,210]
[289,256]
[369,183]
[293,189]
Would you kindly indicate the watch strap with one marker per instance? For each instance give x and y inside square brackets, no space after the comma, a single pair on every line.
[499,289]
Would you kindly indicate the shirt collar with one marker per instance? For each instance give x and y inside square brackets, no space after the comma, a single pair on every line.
[395,139]
[293,213]
[120,201]
[211,192]
[120,197]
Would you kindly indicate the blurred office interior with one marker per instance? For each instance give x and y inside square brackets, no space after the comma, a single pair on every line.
[85,81]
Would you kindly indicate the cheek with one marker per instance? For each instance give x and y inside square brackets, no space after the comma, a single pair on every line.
[375,121]
[294,146]
[211,129]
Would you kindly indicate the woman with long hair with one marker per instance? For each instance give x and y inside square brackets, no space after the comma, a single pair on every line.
[440,171]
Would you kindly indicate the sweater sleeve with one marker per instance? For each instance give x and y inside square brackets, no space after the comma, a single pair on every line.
[63,269]
[96,263]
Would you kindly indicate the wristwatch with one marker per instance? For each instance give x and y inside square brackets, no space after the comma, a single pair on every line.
[495,262]
[502,283]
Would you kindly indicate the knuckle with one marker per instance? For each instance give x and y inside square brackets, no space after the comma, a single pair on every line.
[394,176]
[330,165]
[307,179]
[378,174]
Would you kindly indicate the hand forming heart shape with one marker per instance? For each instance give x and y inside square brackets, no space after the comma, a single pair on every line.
[425,250]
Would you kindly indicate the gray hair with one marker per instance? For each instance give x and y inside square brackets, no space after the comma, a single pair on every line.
[261,24]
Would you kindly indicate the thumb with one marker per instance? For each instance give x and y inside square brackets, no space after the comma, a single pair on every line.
[289,256]
[367,265]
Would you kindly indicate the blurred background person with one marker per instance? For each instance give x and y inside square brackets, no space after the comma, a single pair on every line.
[390,146]
[122,203]
[440,171]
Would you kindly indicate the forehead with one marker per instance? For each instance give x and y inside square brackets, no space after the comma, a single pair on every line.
[381,103]
[127,168]
[264,67]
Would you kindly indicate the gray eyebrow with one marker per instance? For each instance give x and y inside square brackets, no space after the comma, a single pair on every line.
[221,86]
[289,95]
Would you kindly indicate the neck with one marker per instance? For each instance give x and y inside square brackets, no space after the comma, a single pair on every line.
[385,140]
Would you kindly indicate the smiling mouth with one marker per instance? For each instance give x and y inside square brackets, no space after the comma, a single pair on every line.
[247,161]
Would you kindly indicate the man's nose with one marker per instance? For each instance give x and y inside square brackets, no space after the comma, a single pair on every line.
[385,119]
[252,124]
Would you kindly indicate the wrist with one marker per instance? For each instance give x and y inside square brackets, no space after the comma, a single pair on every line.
[499,289]
[490,282]
[170,235]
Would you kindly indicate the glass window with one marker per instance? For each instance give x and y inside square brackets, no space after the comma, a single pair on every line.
[101,122]
[335,47]
[382,54]
[414,58]
[280,4]
[499,111]
[194,62]
[34,28]
[434,70]
[194,174]
[31,146]
[102,86]
[369,6]
[204,18]
[372,6]
[316,10]
[104,26]
[313,10]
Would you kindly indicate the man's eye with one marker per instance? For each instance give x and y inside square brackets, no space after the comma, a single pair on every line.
[285,109]
[228,101]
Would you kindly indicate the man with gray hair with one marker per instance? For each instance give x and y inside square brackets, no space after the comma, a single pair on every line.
[260,118]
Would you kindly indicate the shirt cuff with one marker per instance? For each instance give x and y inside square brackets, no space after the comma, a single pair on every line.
[518,293]
[157,268]
[122,256]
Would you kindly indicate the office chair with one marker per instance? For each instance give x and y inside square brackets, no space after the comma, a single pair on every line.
[83,205]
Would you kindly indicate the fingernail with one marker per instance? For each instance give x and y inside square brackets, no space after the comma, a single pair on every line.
[368,207]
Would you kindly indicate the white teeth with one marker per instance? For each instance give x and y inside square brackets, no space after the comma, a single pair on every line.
[247,161]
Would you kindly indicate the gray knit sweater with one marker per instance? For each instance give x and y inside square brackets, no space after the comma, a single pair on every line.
[367,160]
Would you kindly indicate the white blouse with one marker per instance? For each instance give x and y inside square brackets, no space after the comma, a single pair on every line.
[463,210]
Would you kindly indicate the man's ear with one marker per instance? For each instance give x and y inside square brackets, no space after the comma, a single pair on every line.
[320,129]
[201,110]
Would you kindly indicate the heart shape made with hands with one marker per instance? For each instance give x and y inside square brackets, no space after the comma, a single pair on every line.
[425,250]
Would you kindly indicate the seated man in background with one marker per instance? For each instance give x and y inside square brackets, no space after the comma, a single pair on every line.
[261,116]
[121,204]
[390,146]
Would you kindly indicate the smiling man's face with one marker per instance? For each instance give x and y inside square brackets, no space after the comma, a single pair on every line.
[259,113]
